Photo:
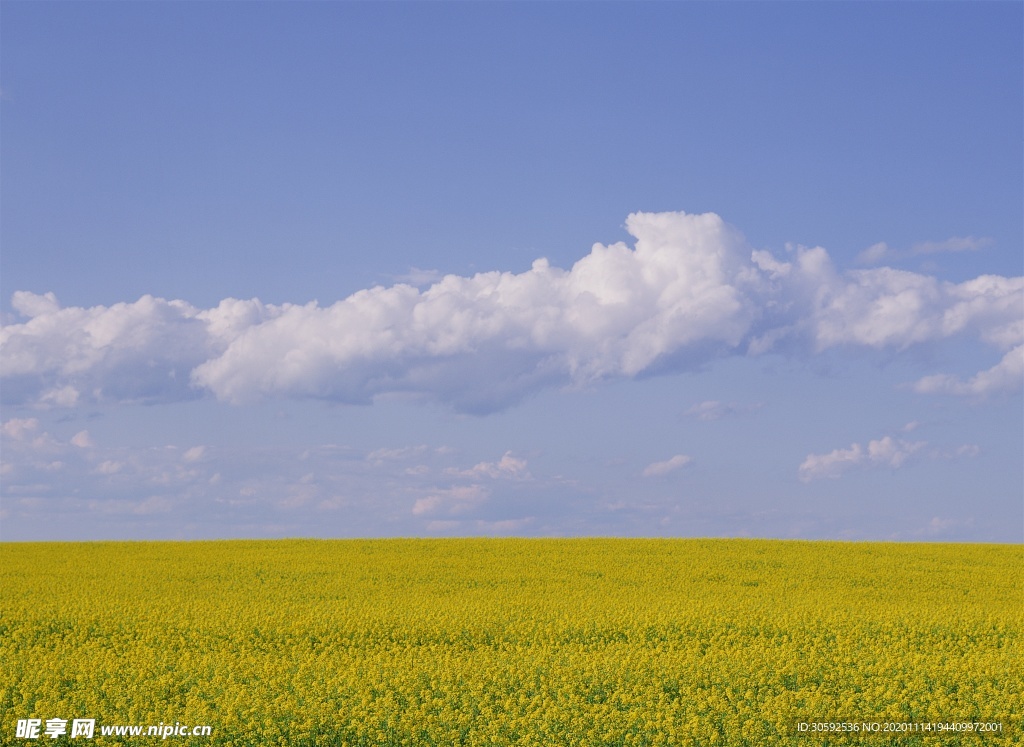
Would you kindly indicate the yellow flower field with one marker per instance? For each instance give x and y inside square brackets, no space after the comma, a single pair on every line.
[516,642]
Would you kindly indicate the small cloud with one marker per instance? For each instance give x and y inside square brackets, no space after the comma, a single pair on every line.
[155,504]
[82,440]
[882,452]
[657,469]
[379,456]
[109,467]
[874,254]
[939,526]
[194,454]
[65,396]
[951,245]
[913,425]
[426,505]
[508,467]
[505,526]
[33,305]
[891,453]
[455,500]
[935,528]
[710,410]
[334,503]
[299,494]
[1005,376]
[419,278]
[832,464]
[19,428]
[715,410]
[968,451]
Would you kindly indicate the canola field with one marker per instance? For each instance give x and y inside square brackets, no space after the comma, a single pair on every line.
[515,642]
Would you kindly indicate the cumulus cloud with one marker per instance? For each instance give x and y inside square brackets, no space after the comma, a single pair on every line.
[142,351]
[689,290]
[657,469]
[887,308]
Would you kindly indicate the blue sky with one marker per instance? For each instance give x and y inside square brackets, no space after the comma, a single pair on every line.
[665,269]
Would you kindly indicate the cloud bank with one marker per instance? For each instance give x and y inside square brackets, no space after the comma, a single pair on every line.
[690,290]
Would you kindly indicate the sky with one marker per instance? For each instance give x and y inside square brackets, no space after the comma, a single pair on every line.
[530,269]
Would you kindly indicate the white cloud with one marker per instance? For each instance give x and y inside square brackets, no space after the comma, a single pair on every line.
[874,253]
[688,291]
[951,245]
[65,396]
[418,277]
[33,305]
[25,434]
[882,251]
[883,307]
[19,428]
[82,440]
[1005,376]
[882,452]
[937,527]
[508,467]
[709,410]
[453,501]
[832,464]
[141,351]
[657,469]
[891,453]
[109,467]
[484,341]
[379,456]
[194,454]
